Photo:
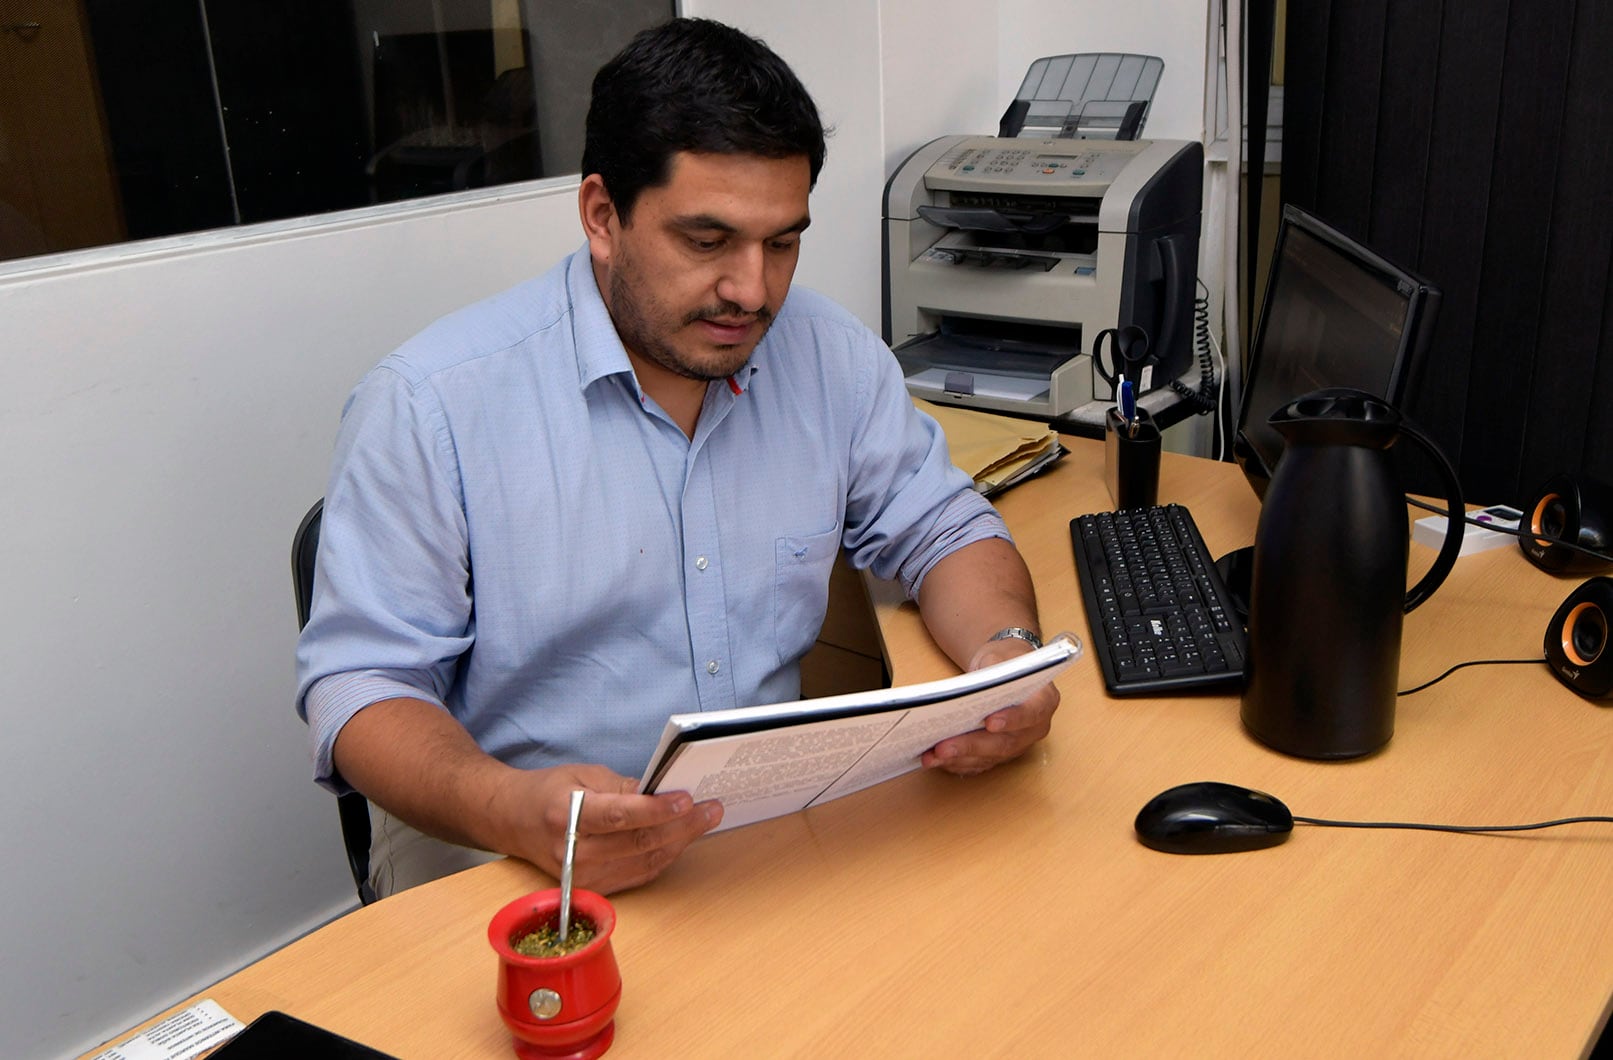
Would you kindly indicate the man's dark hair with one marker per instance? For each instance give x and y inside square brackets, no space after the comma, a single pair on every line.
[692,84]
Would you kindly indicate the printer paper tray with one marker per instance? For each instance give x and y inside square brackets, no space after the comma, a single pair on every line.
[1011,377]
[1004,387]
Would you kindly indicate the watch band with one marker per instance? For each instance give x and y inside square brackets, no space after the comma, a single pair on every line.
[1016,633]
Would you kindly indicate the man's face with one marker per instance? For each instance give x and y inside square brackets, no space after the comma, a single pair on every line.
[694,279]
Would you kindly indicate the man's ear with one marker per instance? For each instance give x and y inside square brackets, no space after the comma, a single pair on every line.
[599,221]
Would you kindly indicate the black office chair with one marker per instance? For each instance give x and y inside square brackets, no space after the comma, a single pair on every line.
[353,808]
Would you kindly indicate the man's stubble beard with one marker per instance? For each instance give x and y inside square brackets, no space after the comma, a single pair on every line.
[639,331]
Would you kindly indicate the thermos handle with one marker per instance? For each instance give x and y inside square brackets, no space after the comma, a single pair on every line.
[1455,520]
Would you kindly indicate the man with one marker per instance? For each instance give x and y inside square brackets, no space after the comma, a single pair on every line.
[616,492]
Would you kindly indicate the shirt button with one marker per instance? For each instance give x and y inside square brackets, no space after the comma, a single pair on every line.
[713,666]
[700,563]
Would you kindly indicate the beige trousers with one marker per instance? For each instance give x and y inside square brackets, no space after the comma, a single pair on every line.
[402,857]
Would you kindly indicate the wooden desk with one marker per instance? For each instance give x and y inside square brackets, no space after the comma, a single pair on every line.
[1015,913]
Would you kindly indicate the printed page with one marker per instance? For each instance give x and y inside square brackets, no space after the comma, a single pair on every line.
[779,769]
[898,751]
[765,774]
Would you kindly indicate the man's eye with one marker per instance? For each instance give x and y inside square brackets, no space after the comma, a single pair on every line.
[705,244]
[783,244]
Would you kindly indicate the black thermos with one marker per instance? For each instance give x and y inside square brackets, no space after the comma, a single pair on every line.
[1328,594]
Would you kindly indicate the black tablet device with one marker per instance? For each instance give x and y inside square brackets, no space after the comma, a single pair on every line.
[277,1036]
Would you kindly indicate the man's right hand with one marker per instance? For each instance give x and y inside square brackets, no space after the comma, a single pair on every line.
[420,764]
[623,839]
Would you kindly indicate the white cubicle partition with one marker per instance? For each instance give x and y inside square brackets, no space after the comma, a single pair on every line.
[167,417]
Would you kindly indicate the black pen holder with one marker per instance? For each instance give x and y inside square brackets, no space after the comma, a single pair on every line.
[1131,460]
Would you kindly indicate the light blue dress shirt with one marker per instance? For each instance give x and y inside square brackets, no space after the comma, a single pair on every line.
[515,531]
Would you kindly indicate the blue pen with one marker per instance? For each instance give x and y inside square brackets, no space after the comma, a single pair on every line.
[1128,407]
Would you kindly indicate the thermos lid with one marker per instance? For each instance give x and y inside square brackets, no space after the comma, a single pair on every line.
[1338,416]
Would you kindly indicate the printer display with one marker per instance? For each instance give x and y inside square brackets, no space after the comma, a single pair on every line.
[1006,258]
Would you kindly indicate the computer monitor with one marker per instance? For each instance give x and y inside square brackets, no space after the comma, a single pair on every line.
[1335,314]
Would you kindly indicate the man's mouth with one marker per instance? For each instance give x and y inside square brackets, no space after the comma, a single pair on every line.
[727,331]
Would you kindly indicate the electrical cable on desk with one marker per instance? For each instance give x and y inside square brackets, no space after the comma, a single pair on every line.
[1326,823]
[1473,662]
[1571,546]
[1462,828]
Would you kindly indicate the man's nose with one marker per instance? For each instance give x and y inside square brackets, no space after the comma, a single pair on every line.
[744,279]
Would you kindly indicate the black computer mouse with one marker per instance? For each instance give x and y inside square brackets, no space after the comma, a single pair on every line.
[1208,817]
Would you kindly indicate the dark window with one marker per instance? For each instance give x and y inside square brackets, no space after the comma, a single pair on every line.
[127,121]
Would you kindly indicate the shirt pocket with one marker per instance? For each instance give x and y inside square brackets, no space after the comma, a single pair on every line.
[802,564]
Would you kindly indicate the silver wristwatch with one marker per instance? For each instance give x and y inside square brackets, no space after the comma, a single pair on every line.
[1017,633]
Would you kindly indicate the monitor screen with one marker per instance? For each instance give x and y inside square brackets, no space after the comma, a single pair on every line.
[1335,314]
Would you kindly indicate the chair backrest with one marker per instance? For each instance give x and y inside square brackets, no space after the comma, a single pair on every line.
[353,808]
[304,546]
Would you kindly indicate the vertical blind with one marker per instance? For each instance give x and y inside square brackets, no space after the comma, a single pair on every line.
[1472,141]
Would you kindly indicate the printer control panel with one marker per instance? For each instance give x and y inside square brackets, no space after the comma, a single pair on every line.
[1032,166]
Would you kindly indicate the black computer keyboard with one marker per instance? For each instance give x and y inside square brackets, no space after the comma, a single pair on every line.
[1161,617]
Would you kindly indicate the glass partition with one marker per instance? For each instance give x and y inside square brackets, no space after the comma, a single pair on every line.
[123,121]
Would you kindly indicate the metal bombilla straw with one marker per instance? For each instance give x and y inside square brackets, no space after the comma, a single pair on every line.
[566,866]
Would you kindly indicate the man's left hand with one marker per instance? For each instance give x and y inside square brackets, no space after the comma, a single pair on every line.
[1008,733]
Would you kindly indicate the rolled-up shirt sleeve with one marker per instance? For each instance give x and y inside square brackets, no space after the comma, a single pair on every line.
[332,701]
[910,506]
[391,611]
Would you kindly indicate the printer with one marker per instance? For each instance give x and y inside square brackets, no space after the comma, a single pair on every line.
[1006,257]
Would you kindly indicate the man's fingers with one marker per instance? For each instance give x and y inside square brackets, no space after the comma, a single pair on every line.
[624,813]
[977,751]
[616,860]
[1007,734]
[648,832]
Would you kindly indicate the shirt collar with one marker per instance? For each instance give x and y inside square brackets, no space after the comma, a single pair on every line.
[599,350]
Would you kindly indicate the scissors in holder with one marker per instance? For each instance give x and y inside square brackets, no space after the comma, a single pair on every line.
[1128,356]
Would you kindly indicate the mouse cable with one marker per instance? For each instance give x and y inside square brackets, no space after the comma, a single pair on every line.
[1472,662]
[1515,531]
[1455,827]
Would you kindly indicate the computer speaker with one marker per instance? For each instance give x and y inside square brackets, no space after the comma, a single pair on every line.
[1572,509]
[1576,639]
